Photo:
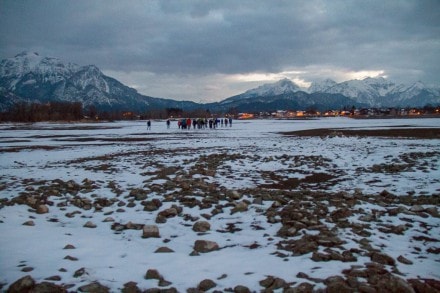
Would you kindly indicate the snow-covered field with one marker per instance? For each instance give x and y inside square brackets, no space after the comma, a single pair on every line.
[301,209]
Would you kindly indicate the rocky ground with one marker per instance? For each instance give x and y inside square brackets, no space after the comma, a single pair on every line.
[299,233]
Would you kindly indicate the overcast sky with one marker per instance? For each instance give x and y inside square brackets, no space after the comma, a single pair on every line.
[209,50]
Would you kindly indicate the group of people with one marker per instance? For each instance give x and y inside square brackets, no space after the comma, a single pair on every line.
[200,123]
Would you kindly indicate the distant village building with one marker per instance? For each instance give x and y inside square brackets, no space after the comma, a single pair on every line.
[245,116]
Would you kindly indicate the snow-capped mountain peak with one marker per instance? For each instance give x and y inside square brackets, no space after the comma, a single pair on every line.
[321,86]
[380,84]
[280,87]
[37,77]
[22,63]
[31,78]
[29,66]
[418,85]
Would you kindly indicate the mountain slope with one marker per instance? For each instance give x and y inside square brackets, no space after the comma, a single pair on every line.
[284,94]
[282,87]
[321,86]
[327,94]
[380,92]
[29,77]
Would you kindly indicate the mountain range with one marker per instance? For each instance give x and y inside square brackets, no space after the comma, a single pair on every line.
[29,77]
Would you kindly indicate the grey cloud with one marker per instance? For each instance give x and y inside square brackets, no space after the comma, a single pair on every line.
[226,37]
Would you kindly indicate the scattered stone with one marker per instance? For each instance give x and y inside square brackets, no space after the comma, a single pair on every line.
[47,287]
[304,245]
[241,206]
[42,209]
[223,276]
[339,214]
[273,283]
[286,231]
[157,290]
[94,287]
[133,226]
[153,274]
[131,204]
[205,246]
[79,272]
[138,194]
[434,250]
[131,287]
[128,226]
[234,195]
[433,211]
[301,288]
[89,224]
[24,284]
[206,285]
[201,226]
[382,258]
[29,223]
[69,246]
[27,269]
[404,260]
[164,283]
[150,231]
[241,289]
[194,253]
[72,258]
[337,284]
[161,219]
[417,209]
[53,278]
[108,219]
[152,205]
[258,201]
[164,249]
[392,283]
[169,213]
[425,285]
[366,218]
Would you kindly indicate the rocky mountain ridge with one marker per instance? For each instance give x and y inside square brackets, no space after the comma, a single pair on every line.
[369,92]
[29,77]
[380,92]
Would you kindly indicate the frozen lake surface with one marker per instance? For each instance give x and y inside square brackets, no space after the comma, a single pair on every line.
[245,181]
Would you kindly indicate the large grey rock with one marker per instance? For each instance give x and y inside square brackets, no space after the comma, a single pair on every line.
[24,284]
[201,226]
[150,231]
[42,209]
[94,287]
[205,246]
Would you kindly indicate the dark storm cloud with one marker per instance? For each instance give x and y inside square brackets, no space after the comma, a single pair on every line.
[229,37]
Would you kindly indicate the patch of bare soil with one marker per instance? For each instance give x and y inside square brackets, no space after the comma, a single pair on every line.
[321,179]
[107,139]
[425,133]
[67,127]
[27,148]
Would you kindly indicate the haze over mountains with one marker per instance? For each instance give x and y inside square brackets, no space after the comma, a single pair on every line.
[29,77]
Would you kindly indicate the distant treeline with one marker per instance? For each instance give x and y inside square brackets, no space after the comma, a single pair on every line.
[67,111]
[53,111]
